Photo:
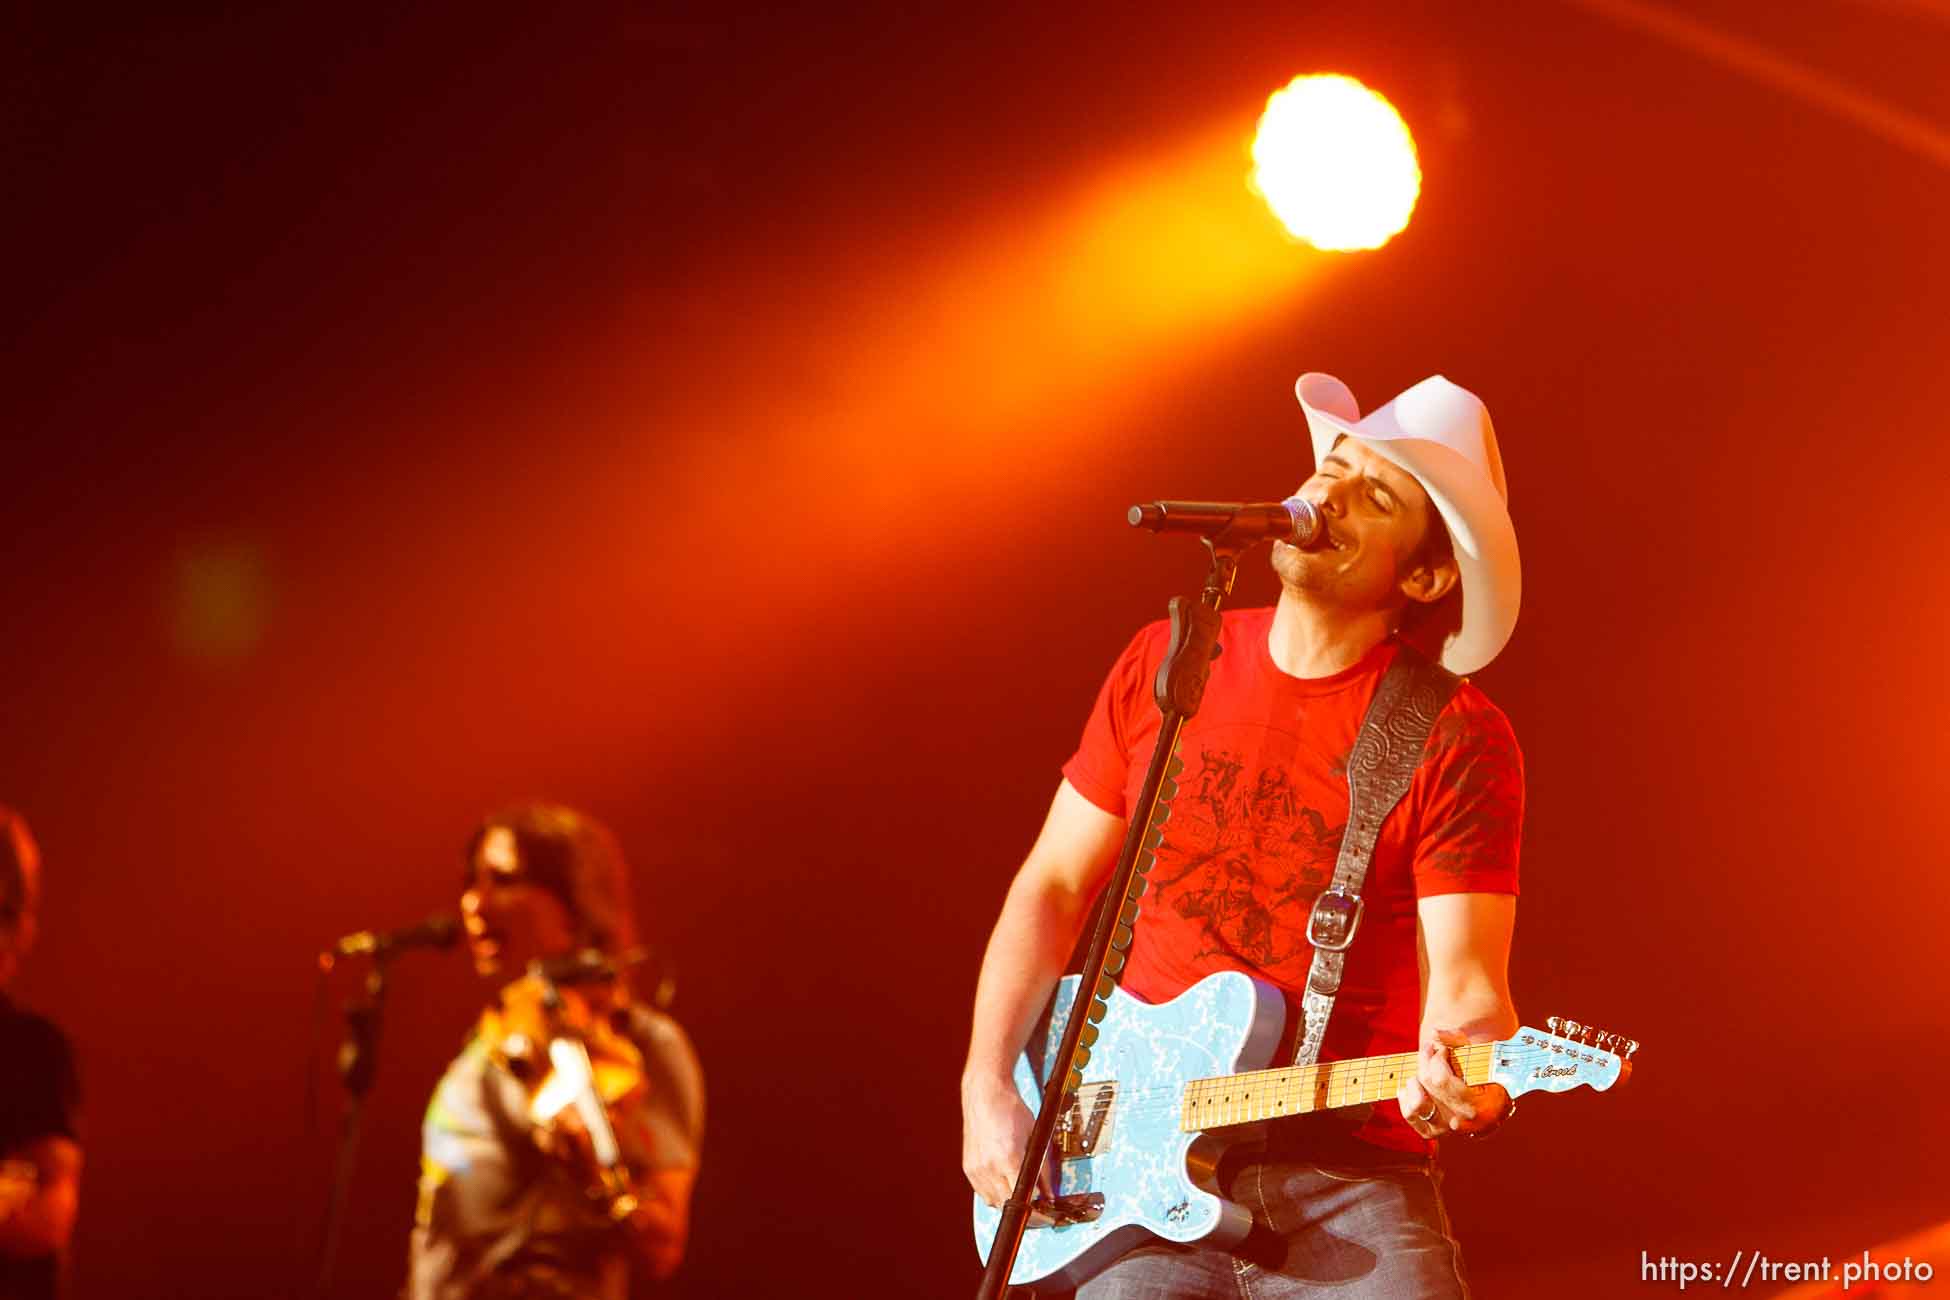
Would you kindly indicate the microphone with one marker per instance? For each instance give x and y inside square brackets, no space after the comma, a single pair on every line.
[439,931]
[1295,521]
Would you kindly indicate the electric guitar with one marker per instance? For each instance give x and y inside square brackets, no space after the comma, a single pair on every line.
[1167,1084]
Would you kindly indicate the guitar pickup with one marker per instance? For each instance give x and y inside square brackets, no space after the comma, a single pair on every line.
[1086,1125]
[1081,1207]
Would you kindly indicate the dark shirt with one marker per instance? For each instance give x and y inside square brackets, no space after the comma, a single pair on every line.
[40,1097]
[497,1218]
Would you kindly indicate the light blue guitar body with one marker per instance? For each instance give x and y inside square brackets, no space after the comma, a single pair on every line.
[1155,1179]
[1129,1169]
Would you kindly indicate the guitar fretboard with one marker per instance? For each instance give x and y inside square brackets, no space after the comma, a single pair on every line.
[1301,1089]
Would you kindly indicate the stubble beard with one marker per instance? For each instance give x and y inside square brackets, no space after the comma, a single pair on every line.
[1300,573]
[1317,578]
[1286,564]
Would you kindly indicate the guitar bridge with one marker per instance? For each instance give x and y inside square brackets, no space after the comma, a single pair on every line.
[1086,1124]
[1082,1207]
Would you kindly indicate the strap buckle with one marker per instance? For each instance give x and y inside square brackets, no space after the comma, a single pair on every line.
[1335,917]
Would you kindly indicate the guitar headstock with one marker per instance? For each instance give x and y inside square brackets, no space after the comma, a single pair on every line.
[1571,1055]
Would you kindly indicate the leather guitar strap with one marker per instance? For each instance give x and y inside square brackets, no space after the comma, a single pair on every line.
[1379,769]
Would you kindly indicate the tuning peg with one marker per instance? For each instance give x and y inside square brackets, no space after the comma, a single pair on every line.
[1572,1028]
[1552,1022]
[1631,1045]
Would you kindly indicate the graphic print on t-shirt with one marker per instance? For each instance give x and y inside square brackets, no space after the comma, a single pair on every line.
[1243,858]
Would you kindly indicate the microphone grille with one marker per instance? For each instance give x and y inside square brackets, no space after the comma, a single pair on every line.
[1307,528]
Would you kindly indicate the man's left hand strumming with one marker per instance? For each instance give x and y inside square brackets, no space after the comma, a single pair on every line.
[1437,1102]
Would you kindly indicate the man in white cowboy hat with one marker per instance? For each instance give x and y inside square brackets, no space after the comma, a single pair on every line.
[1418,549]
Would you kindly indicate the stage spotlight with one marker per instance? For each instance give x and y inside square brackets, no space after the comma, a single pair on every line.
[1335,162]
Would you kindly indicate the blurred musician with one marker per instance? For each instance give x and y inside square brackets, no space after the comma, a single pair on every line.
[515,1197]
[40,1098]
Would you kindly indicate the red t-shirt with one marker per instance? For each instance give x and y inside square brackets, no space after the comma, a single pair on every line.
[1256,827]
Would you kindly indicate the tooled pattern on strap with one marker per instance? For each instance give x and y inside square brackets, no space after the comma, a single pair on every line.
[1381,766]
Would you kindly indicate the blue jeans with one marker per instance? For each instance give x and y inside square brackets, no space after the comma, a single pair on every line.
[1361,1228]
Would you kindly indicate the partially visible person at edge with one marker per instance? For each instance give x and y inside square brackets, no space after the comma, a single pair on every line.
[1419,548]
[40,1098]
[507,1206]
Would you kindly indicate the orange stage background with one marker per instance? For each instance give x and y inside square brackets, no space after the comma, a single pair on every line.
[723,420]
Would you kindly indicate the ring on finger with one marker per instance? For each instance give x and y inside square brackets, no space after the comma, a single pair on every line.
[1428,1118]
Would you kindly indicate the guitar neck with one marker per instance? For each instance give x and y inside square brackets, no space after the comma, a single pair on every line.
[1302,1089]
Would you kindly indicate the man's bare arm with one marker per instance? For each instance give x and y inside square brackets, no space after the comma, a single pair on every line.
[661,1223]
[1038,926]
[1465,942]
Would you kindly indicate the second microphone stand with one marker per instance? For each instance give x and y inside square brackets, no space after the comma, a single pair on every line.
[358,1063]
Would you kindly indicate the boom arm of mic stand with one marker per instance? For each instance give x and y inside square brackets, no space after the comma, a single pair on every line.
[1178,690]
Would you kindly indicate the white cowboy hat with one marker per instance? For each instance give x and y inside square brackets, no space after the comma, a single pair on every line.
[1441,434]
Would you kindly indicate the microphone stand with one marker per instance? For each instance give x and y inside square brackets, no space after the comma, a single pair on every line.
[1178,690]
[358,1062]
